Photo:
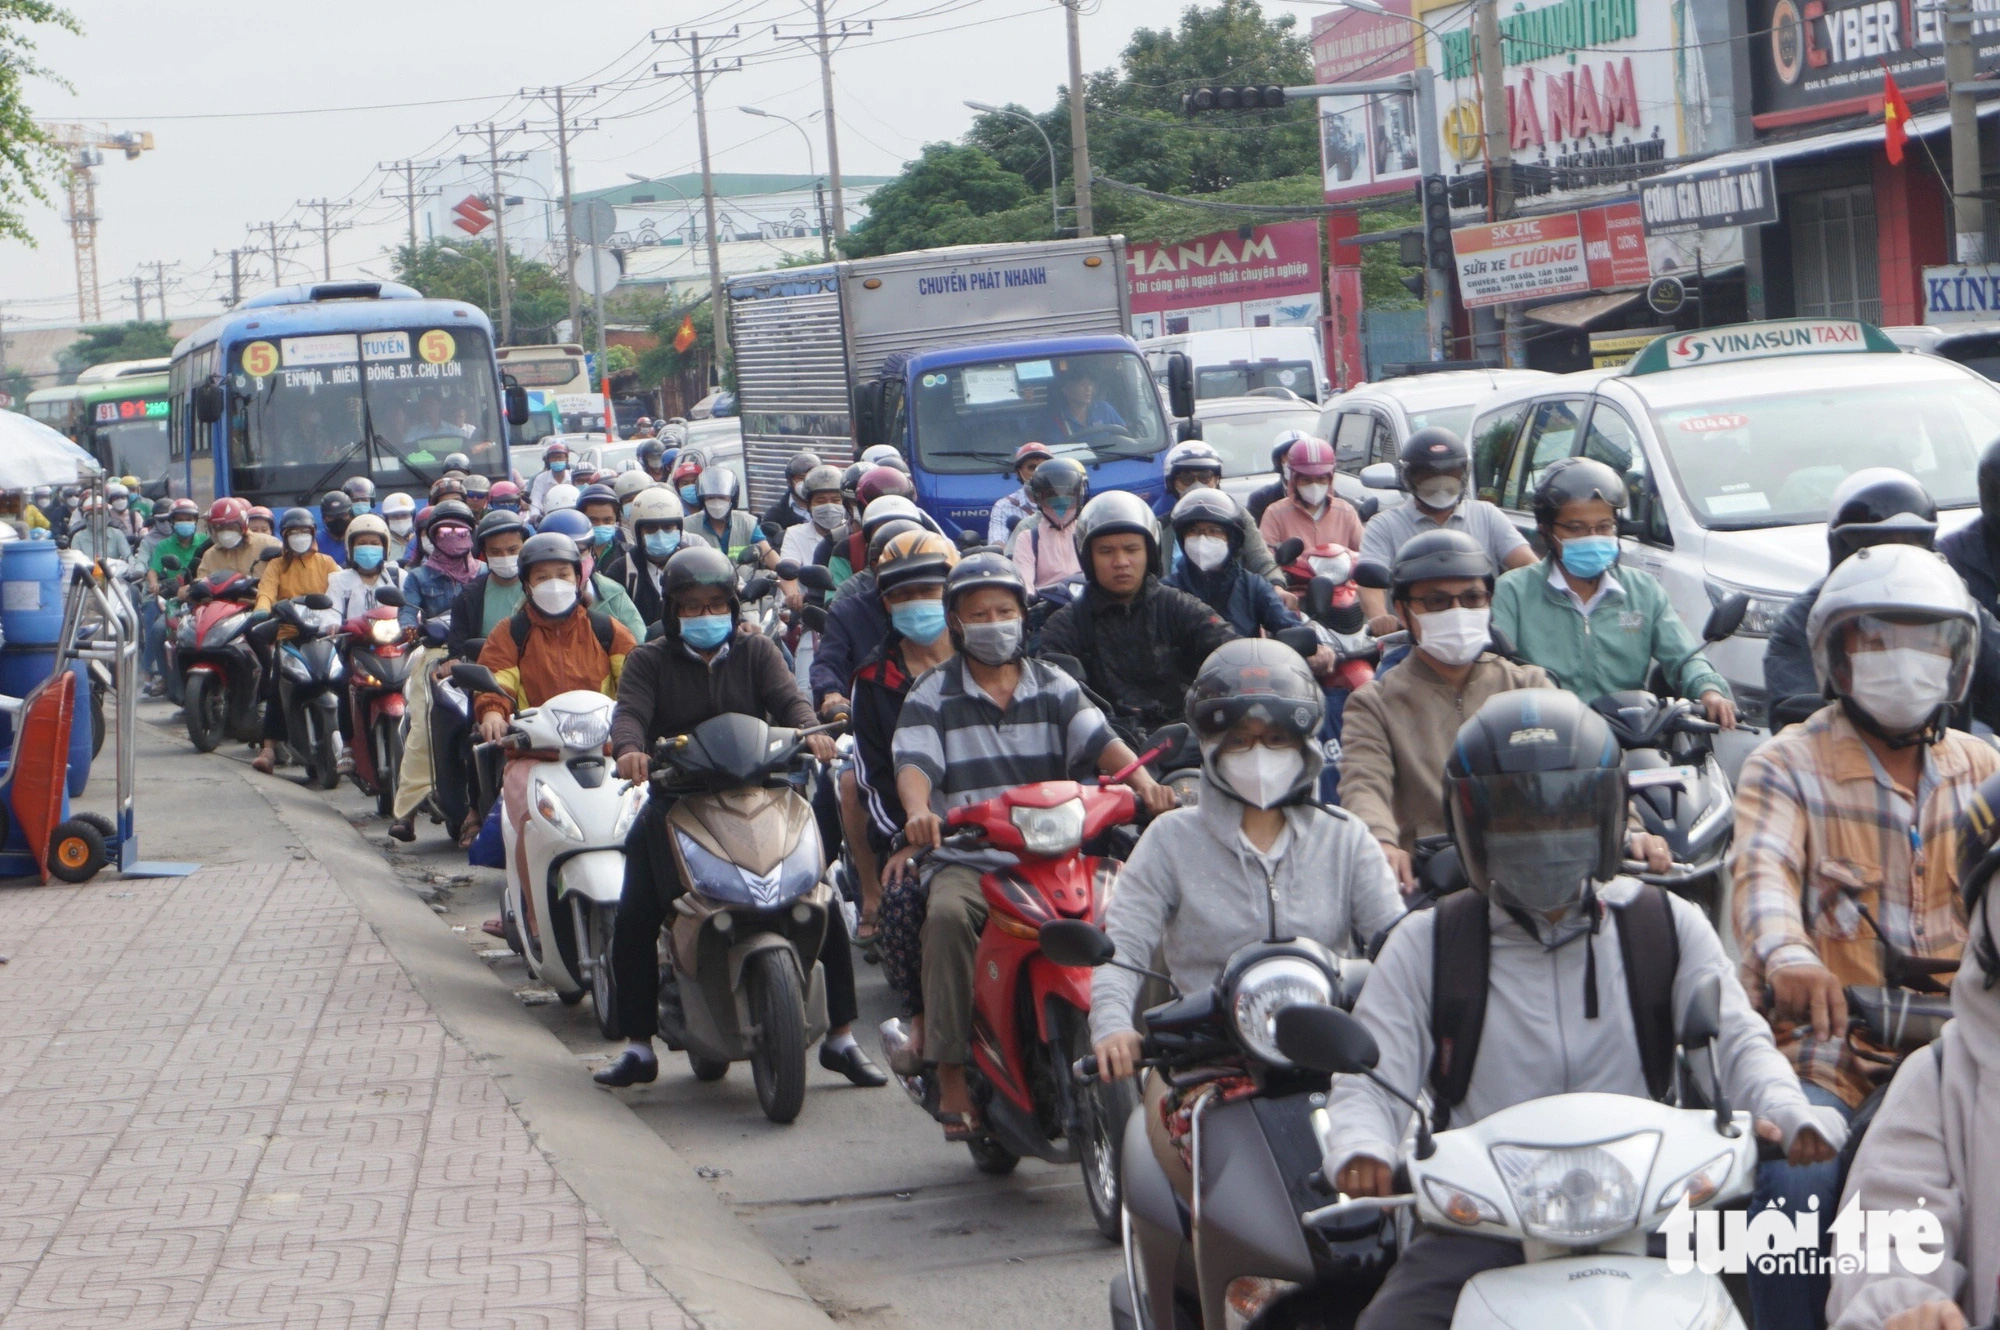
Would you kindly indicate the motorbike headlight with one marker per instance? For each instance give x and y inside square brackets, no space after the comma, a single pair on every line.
[1267,988]
[1049,832]
[1459,1205]
[629,805]
[583,729]
[1577,1194]
[550,805]
[385,631]
[1697,1186]
[1336,568]
[1187,788]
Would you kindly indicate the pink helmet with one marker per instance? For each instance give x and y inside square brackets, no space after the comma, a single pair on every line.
[1310,457]
[503,489]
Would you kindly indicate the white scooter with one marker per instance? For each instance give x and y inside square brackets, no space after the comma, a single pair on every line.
[572,849]
[1579,1180]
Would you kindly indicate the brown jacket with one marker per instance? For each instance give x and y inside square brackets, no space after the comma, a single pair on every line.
[560,655]
[1397,732]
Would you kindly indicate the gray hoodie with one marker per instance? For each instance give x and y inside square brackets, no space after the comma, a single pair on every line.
[1936,1136]
[1536,1041]
[1196,888]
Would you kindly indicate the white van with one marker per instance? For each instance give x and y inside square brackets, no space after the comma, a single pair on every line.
[1234,362]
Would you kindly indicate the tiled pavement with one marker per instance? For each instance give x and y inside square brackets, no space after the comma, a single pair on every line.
[222,1103]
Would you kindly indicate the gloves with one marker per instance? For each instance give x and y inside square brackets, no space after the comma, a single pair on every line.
[1827,1121]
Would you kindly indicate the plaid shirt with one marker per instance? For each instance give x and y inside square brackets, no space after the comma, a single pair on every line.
[1819,828]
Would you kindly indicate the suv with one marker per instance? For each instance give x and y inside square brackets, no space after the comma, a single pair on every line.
[1368,424]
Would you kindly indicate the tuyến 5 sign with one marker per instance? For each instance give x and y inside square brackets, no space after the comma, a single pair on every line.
[1522,259]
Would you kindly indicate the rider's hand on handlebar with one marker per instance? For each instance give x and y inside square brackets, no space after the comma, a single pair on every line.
[1364,1175]
[1934,1315]
[1719,709]
[835,705]
[1324,662]
[492,727]
[1117,1054]
[1384,624]
[822,747]
[1811,993]
[1808,1146]
[1400,865]
[1156,797]
[924,830]
[634,766]
[1653,850]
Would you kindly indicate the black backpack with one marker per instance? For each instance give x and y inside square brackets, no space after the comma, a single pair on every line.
[1461,948]
[519,627]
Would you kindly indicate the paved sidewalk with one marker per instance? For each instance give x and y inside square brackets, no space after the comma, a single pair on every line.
[223,1103]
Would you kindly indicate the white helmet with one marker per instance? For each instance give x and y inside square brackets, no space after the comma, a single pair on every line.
[630,483]
[399,505]
[657,503]
[1908,608]
[878,453]
[560,497]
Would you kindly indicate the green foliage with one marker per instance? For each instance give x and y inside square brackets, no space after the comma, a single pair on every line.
[619,360]
[113,341]
[14,381]
[540,299]
[942,198]
[660,312]
[1381,273]
[28,161]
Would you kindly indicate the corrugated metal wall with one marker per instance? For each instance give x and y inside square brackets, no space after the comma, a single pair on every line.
[791,377]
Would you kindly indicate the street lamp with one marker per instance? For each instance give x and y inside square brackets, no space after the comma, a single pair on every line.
[1055,210]
[825,240]
[446,251]
[1376,8]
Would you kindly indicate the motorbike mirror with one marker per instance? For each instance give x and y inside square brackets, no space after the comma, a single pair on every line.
[1325,1039]
[170,563]
[969,540]
[1288,551]
[773,533]
[1794,709]
[1069,665]
[437,631]
[814,617]
[1367,506]
[816,577]
[1319,597]
[1701,1019]
[1076,942]
[1169,739]
[1372,575]
[1726,617]
[1443,873]
[750,558]
[391,597]
[787,570]
[760,586]
[1301,639]
[318,600]
[1381,476]
[474,678]
[271,553]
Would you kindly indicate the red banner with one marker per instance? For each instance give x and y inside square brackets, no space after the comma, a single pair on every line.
[1275,263]
[1348,364]
[1520,259]
[1614,245]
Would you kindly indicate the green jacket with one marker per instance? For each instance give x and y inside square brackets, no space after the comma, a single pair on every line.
[611,598]
[1614,649]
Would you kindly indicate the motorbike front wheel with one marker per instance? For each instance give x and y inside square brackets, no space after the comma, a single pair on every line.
[324,758]
[206,711]
[602,920]
[778,1057]
[1103,1108]
[388,765]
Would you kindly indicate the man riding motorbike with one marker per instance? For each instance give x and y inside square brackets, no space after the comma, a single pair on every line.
[1214,564]
[794,506]
[336,510]
[1194,465]
[1971,548]
[1015,506]
[300,571]
[640,568]
[231,546]
[717,520]
[554,472]
[1434,467]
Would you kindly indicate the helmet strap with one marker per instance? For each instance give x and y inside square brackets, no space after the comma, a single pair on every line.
[1931,731]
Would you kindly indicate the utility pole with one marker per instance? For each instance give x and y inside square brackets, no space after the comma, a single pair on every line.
[1968,209]
[493,164]
[326,228]
[270,230]
[160,284]
[139,295]
[824,40]
[693,42]
[1079,134]
[410,195]
[235,273]
[559,96]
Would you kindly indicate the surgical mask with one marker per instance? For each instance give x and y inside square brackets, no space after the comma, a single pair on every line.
[1588,556]
[368,557]
[1440,492]
[558,468]
[717,509]
[1540,871]
[827,516]
[919,620]
[120,505]
[229,540]
[299,542]
[992,643]
[705,632]
[1261,776]
[1206,552]
[185,530]
[602,532]
[690,496]
[362,506]
[400,525]
[452,541]
[1455,636]
[661,544]
[799,491]
[554,597]
[1057,510]
[1312,496]
[1901,687]
[506,567]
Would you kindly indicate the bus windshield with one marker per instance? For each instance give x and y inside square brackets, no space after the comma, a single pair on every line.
[1098,406]
[134,441]
[308,412]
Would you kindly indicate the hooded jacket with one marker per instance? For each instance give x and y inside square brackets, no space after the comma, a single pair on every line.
[1248,603]
[1932,1143]
[560,654]
[1194,887]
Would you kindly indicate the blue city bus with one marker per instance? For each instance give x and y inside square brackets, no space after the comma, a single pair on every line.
[300,388]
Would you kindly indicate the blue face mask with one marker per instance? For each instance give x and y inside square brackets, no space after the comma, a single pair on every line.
[367,557]
[660,544]
[689,496]
[602,534]
[922,621]
[705,632]
[1059,508]
[184,530]
[363,506]
[1587,556]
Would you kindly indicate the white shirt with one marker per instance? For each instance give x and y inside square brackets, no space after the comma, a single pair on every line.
[801,539]
[1606,584]
[352,596]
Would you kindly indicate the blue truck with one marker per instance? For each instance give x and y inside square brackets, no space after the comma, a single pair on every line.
[956,356]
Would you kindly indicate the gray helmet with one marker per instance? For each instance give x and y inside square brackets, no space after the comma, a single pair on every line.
[819,480]
[1114,512]
[1571,479]
[718,482]
[1258,679]
[1437,553]
[803,464]
[1203,504]
[550,547]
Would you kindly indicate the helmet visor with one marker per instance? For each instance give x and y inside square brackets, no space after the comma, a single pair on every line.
[1952,640]
[1533,839]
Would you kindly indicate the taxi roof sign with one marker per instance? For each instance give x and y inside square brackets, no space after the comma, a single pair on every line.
[1757,341]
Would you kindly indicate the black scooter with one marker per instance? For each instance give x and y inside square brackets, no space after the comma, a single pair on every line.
[310,673]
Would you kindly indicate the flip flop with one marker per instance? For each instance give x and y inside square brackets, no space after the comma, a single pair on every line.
[961,1127]
[867,932]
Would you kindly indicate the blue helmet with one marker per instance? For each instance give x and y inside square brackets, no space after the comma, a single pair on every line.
[565,521]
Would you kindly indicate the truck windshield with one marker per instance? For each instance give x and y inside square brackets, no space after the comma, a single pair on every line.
[1097,406]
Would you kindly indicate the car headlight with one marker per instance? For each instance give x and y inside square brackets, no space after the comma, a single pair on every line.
[1697,1186]
[583,729]
[385,631]
[1267,988]
[1049,832]
[554,812]
[1459,1205]
[629,805]
[1765,606]
[1577,1194]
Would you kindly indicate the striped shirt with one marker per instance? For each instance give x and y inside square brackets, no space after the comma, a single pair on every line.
[1822,833]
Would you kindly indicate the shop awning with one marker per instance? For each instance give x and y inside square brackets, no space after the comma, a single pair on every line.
[1584,310]
[1818,145]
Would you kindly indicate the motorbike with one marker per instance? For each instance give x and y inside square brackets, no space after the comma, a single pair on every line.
[1678,786]
[310,672]
[378,665]
[209,651]
[1582,1181]
[1031,1012]
[571,850]
[745,941]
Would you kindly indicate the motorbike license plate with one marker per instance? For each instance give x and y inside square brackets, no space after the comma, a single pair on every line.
[1683,776]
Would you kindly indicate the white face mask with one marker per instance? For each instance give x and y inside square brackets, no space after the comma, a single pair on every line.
[1901,687]
[827,516]
[717,509]
[400,525]
[1206,552]
[1261,776]
[229,540]
[1455,636]
[554,596]
[299,542]
[1312,496]
[1440,492]
[506,567]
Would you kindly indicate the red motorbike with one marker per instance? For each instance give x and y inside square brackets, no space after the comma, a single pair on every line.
[220,673]
[1031,1016]
[377,650]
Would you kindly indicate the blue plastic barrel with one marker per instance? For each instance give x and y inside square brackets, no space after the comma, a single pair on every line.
[21,669]
[31,602]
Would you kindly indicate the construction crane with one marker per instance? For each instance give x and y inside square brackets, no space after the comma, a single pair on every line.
[85,146]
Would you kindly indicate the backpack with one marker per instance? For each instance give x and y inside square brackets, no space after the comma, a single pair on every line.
[1461,948]
[519,627]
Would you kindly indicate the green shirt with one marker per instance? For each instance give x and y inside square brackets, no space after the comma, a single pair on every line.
[611,598]
[180,549]
[1615,647]
[502,600]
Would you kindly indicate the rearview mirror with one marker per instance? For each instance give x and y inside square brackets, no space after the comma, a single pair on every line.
[867,414]
[816,576]
[1180,385]
[208,403]
[970,540]
[1701,1021]
[1366,507]
[517,401]
[813,617]
[1169,739]
[773,532]
[1372,575]
[269,552]
[1319,597]
[1301,639]
[391,597]
[170,563]
[787,569]
[760,586]
[474,678]
[1380,476]
[1076,942]
[1288,551]
[1325,1039]
[318,600]
[1726,617]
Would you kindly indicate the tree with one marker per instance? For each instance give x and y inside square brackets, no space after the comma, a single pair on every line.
[939,199]
[27,158]
[469,271]
[113,341]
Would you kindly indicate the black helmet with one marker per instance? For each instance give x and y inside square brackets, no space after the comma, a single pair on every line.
[1428,451]
[1989,483]
[294,519]
[458,462]
[1571,479]
[548,547]
[1535,798]
[335,506]
[1059,480]
[1440,552]
[1203,504]
[884,532]
[359,489]
[1258,679]
[451,510]
[652,453]
[596,493]
[694,566]
[803,463]
[497,522]
[1978,856]
[850,481]
[1880,505]
[978,572]
[1114,512]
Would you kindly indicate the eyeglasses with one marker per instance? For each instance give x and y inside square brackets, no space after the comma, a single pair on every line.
[1437,602]
[1578,530]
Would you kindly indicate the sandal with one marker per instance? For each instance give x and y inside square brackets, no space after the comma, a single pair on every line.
[469,832]
[867,931]
[961,1127]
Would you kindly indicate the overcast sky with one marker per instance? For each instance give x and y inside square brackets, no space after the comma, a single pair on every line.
[165,65]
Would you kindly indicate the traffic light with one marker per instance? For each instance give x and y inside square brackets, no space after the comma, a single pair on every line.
[1232,99]
[1437,221]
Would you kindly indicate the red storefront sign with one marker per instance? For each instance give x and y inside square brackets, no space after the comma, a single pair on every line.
[1614,245]
[1521,259]
[1223,268]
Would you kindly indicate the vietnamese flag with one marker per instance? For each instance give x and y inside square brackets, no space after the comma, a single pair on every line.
[1895,119]
[685,337]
